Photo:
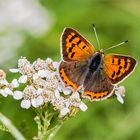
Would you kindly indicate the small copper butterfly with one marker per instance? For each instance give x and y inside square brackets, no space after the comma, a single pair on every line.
[96,72]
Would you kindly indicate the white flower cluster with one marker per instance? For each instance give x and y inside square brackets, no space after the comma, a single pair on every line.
[40,85]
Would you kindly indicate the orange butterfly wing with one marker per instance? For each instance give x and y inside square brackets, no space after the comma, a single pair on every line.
[115,69]
[75,51]
[74,46]
[118,67]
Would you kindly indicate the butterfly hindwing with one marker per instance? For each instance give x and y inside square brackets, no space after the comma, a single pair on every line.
[73,73]
[118,67]
[74,46]
[98,87]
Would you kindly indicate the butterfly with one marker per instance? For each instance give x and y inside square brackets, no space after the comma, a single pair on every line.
[97,73]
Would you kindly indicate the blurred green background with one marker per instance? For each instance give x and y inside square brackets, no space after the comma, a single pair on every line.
[32,29]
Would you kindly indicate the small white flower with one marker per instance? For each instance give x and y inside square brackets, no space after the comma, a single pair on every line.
[64,111]
[60,87]
[39,91]
[75,95]
[119,92]
[25,104]
[49,61]
[63,89]
[35,76]
[4,82]
[34,63]
[47,95]
[17,95]
[83,106]
[34,102]
[29,92]
[42,73]
[74,99]
[55,65]
[40,65]
[15,83]
[49,74]
[3,93]
[8,91]
[23,79]
[39,100]
[57,94]
[67,103]
[58,103]
[23,62]
[119,97]
[67,91]
[14,70]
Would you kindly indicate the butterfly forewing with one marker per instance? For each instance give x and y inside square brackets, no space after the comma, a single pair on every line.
[118,67]
[74,46]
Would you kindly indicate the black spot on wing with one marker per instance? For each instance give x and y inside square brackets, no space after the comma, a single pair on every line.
[113,74]
[73,44]
[84,47]
[125,65]
[70,49]
[119,61]
[118,72]
[73,37]
[78,42]
[72,55]
[113,60]
[120,67]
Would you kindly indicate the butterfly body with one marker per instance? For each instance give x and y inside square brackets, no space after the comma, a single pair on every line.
[95,72]
[95,65]
[95,62]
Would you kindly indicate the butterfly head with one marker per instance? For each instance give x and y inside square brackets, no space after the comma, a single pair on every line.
[101,51]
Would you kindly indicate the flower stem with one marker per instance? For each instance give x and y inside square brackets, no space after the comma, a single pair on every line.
[48,124]
[53,131]
[12,129]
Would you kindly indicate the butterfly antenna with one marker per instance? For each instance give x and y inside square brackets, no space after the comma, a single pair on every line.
[96,36]
[114,46]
